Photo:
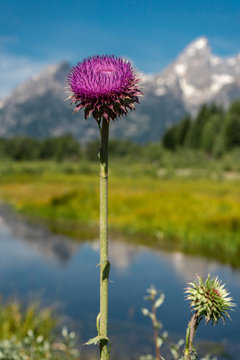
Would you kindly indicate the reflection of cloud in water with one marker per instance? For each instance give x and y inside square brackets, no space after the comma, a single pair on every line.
[120,253]
[188,266]
[52,246]
[58,247]
[62,248]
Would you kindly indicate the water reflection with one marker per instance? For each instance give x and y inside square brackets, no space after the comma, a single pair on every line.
[37,236]
[34,261]
[61,248]
[188,267]
[121,254]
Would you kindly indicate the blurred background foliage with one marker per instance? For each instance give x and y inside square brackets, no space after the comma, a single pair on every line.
[213,132]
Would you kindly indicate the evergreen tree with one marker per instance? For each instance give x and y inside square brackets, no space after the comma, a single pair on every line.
[231,131]
[169,139]
[235,108]
[182,130]
[91,150]
[195,133]
[211,131]
[60,148]
[121,148]
[22,148]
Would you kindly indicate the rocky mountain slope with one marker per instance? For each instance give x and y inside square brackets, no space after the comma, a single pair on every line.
[200,77]
[37,107]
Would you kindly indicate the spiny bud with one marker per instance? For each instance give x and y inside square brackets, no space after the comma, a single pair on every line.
[209,299]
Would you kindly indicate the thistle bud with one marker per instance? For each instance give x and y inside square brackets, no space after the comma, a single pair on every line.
[209,299]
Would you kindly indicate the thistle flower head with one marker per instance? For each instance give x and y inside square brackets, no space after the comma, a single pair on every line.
[209,299]
[105,86]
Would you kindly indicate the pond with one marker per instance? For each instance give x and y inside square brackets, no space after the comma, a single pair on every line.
[37,264]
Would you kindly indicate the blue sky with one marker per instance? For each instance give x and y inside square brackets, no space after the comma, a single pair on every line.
[34,33]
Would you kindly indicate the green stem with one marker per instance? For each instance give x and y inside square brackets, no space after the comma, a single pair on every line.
[191,330]
[104,262]
[155,330]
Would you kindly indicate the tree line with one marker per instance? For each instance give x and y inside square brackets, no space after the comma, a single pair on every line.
[59,148]
[212,130]
[29,148]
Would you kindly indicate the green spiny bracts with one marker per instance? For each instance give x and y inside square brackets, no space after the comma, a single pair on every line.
[209,299]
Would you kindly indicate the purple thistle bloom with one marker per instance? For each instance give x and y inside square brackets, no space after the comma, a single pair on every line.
[106,86]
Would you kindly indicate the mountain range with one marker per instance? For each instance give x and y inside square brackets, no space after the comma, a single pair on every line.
[37,107]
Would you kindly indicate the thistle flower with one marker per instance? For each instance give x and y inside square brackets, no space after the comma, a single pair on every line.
[105,86]
[209,299]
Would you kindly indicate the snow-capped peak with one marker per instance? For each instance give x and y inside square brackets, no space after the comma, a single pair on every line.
[200,43]
[198,75]
[49,79]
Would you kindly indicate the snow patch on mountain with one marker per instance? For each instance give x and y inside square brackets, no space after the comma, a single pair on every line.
[219,80]
[188,90]
[180,69]
[232,61]
[200,43]
[215,60]
[50,79]
[197,75]
[160,91]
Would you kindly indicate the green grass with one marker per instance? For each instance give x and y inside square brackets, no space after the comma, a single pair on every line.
[16,321]
[30,333]
[196,210]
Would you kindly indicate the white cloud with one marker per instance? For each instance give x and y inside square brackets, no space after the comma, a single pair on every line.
[15,69]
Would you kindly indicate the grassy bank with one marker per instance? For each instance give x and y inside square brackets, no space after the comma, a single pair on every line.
[17,321]
[30,333]
[194,210]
